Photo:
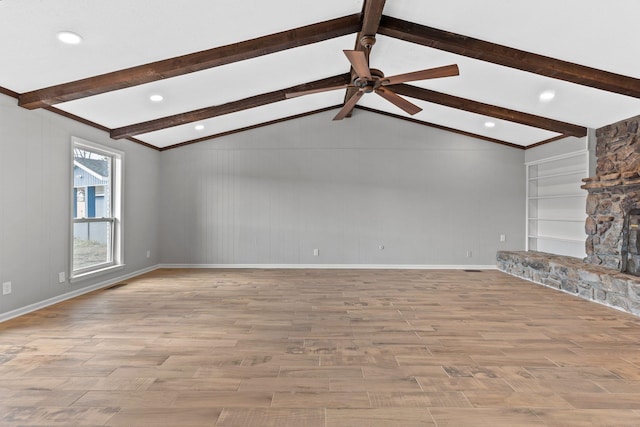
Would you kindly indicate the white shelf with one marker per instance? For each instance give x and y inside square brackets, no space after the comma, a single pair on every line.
[557,239]
[557,219]
[557,196]
[556,175]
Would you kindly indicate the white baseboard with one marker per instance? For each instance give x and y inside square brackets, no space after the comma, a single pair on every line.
[66,296]
[337,266]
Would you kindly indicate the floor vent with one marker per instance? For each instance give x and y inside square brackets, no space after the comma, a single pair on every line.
[473,271]
[116,286]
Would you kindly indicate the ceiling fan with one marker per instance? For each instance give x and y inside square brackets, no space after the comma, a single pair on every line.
[369,80]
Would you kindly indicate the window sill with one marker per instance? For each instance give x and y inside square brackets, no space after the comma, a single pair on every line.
[88,275]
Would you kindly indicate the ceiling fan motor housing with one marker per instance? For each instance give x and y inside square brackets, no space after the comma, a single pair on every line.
[369,85]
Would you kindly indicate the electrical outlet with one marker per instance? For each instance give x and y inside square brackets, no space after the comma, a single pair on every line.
[62,277]
[503,238]
[469,254]
[148,253]
[316,252]
[6,288]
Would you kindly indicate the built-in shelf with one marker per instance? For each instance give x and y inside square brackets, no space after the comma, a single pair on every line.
[557,239]
[557,175]
[557,219]
[553,223]
[557,196]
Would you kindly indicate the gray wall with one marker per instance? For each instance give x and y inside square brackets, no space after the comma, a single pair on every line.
[35,181]
[272,195]
[267,196]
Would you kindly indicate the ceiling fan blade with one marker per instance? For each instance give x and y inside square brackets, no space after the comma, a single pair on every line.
[431,73]
[348,106]
[398,101]
[359,63]
[309,92]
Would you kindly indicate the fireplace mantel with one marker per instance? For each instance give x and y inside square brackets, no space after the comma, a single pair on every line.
[611,181]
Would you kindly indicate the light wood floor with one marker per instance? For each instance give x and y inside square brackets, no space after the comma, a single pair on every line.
[322,348]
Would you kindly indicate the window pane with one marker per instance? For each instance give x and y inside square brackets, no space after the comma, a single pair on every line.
[91,184]
[91,244]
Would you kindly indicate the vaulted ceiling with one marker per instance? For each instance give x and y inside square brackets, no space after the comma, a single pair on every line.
[228,65]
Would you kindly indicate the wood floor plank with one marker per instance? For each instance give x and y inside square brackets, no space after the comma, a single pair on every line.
[291,385]
[165,417]
[126,399]
[603,400]
[489,399]
[321,348]
[379,417]
[55,416]
[223,399]
[375,384]
[321,400]
[275,417]
[452,399]
[487,417]
[588,417]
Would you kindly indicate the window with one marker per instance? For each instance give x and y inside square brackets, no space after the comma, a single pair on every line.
[96,208]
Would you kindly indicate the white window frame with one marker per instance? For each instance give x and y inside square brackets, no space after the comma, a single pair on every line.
[116,218]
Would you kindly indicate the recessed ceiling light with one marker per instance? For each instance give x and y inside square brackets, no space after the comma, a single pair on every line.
[489,125]
[69,38]
[547,95]
[156,98]
[199,127]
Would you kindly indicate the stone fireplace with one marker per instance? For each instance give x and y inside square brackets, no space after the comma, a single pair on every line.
[613,203]
[610,273]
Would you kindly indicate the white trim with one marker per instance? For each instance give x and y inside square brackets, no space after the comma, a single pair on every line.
[336,266]
[92,273]
[69,295]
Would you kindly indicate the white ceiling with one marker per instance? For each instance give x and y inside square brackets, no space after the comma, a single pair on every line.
[119,34]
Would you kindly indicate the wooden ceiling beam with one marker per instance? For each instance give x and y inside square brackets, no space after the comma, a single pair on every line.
[509,57]
[219,110]
[190,63]
[489,110]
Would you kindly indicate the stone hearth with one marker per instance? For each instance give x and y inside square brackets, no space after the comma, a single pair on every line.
[571,275]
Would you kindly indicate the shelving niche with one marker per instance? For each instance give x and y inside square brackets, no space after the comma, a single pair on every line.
[556,204]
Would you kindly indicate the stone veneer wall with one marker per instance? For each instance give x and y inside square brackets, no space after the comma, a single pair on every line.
[613,191]
[592,282]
